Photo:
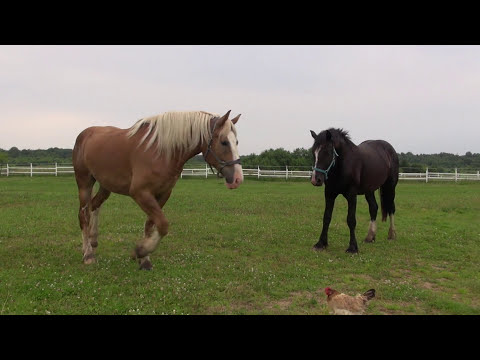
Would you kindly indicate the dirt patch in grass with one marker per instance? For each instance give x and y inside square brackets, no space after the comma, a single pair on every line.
[300,302]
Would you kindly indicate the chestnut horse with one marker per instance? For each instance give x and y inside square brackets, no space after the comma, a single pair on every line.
[353,170]
[144,162]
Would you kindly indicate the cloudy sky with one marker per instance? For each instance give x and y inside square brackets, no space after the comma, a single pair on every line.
[423,99]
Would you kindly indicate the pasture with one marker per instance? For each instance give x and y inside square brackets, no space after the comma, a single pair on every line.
[243,251]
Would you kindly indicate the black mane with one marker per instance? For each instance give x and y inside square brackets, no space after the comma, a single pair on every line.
[336,134]
[340,132]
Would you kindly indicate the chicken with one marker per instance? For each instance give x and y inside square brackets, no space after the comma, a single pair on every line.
[342,304]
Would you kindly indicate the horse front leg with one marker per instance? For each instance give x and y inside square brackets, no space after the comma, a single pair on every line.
[352,222]
[327,217]
[156,226]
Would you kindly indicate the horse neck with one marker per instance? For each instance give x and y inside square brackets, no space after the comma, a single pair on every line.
[345,148]
[179,160]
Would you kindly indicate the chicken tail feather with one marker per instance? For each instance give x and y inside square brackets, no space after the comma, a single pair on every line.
[369,294]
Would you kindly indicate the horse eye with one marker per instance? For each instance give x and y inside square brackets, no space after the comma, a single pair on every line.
[224,143]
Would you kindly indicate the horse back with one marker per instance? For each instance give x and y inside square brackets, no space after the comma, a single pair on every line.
[379,150]
[379,160]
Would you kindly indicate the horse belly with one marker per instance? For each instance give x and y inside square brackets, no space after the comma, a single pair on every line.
[119,184]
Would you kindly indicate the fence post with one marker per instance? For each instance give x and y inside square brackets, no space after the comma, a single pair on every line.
[258,171]
[206,171]
[478,175]
[31,170]
[7,169]
[286,172]
[426,176]
[456,175]
[56,169]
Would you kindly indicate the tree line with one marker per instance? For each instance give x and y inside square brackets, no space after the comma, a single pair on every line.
[303,158]
[298,159]
[14,156]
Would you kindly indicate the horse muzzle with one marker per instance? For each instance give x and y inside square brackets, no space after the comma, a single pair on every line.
[317,179]
[233,176]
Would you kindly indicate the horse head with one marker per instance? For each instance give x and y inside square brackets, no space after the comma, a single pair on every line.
[222,152]
[325,156]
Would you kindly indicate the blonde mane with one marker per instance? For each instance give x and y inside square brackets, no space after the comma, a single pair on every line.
[175,131]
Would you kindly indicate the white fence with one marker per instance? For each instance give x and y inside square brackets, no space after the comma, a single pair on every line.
[31,169]
[429,175]
[285,173]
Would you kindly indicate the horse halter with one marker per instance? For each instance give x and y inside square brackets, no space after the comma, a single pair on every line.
[220,161]
[332,164]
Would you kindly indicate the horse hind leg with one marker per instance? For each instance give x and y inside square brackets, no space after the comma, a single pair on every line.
[392,233]
[387,194]
[96,203]
[373,209]
[85,194]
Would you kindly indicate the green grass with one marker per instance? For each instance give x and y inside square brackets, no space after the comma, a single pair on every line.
[243,251]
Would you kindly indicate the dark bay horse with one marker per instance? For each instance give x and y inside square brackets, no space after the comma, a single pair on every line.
[353,170]
[144,162]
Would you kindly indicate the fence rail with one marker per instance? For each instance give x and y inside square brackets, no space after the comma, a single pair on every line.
[285,173]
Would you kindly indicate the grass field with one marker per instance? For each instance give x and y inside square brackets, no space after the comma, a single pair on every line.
[243,251]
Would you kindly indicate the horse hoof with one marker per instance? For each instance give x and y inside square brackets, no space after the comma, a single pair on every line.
[90,259]
[351,251]
[368,240]
[319,248]
[392,234]
[146,265]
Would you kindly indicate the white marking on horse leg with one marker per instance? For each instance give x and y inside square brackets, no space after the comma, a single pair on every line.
[88,255]
[392,234]
[372,231]
[93,229]
[149,242]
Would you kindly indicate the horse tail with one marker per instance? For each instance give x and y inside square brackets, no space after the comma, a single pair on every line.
[387,197]
[382,206]
[387,190]
[369,294]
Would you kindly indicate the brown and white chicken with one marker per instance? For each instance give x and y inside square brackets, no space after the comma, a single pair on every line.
[342,304]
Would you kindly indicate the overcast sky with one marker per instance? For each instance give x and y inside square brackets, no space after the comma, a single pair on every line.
[423,99]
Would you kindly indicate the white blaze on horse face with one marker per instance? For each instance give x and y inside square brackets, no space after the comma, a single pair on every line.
[316,152]
[238,171]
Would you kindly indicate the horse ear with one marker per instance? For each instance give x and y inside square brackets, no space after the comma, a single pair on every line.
[235,119]
[222,120]
[329,135]
[313,134]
